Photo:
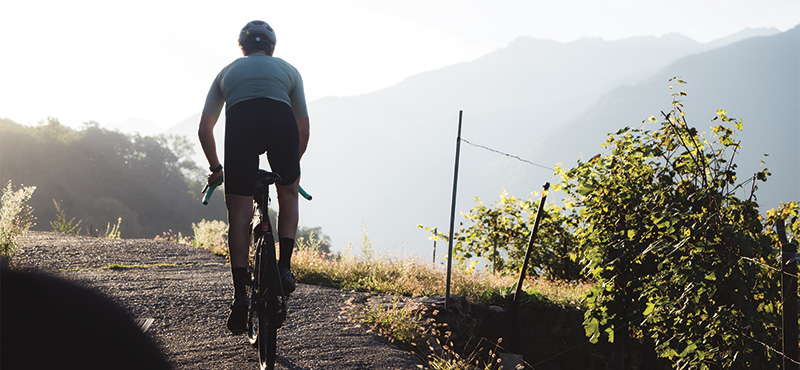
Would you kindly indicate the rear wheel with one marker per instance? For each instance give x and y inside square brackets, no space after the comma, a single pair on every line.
[269,305]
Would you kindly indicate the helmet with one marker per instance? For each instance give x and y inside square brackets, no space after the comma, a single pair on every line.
[257,35]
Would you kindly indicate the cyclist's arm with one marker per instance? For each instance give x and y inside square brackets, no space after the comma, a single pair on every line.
[303,127]
[207,141]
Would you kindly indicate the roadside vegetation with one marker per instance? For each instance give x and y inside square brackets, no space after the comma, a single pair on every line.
[659,241]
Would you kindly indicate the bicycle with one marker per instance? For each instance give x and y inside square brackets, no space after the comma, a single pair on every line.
[268,303]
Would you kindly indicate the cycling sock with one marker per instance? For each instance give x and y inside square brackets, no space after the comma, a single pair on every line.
[240,280]
[287,246]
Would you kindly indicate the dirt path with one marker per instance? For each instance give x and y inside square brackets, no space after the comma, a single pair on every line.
[187,291]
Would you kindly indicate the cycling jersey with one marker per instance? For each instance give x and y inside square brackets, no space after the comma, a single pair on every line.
[257,76]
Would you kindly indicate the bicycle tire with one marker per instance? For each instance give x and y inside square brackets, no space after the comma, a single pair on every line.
[268,310]
[252,314]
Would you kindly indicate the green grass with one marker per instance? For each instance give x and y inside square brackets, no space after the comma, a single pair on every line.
[119,266]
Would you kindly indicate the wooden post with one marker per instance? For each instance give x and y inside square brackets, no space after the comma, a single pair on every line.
[453,215]
[791,353]
[518,293]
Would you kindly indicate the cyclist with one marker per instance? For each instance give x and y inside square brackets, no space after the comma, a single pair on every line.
[265,111]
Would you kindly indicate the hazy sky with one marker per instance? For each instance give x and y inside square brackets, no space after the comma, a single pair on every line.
[110,61]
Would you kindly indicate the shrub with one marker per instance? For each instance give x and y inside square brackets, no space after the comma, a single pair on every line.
[16,217]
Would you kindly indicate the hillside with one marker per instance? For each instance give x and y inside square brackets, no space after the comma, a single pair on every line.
[99,176]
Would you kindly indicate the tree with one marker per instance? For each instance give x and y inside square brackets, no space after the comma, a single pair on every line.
[102,175]
[680,260]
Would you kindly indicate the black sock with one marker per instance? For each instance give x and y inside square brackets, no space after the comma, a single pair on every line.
[241,278]
[287,246]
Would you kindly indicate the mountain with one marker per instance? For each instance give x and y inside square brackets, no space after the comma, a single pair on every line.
[381,163]
[756,80]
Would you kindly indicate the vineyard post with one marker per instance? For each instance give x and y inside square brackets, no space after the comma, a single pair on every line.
[518,293]
[791,353]
[453,215]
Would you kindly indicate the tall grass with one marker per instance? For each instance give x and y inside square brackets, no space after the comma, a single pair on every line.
[16,217]
[410,277]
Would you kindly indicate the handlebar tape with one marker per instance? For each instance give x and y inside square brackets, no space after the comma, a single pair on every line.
[209,189]
[304,193]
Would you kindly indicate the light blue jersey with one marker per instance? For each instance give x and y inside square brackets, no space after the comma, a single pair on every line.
[257,76]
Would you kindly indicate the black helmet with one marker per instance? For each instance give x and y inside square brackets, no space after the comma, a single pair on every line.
[257,35]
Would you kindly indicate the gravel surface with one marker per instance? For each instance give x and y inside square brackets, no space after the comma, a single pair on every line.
[187,291]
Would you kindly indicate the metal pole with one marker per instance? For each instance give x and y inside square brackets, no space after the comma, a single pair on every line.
[518,293]
[791,353]
[453,214]
[435,232]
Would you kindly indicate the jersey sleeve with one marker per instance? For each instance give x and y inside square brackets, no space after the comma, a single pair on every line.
[298,98]
[214,100]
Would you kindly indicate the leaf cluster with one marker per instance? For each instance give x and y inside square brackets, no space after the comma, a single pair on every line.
[680,261]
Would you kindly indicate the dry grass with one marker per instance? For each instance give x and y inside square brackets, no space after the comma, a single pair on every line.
[410,277]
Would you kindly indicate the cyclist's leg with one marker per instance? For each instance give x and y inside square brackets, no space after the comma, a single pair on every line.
[282,145]
[241,165]
[240,213]
[288,215]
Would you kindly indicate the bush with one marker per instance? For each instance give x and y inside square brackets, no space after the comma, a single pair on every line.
[16,217]
[211,235]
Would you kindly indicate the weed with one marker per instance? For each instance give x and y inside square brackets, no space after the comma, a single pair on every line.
[61,224]
[112,231]
[170,236]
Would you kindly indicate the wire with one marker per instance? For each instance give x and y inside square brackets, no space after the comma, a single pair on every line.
[507,155]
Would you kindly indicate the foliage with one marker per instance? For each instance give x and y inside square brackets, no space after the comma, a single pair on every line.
[679,259]
[211,235]
[788,211]
[61,224]
[16,217]
[101,175]
[183,150]
[501,233]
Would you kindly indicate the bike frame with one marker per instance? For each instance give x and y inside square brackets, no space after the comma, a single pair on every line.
[268,303]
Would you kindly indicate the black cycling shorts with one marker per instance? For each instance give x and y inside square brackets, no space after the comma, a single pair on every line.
[253,127]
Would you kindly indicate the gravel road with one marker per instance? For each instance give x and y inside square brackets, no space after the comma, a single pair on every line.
[187,291]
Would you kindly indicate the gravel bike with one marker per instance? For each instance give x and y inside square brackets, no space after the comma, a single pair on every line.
[267,300]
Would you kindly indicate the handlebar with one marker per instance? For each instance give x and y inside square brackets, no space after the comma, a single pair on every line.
[208,189]
[304,193]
